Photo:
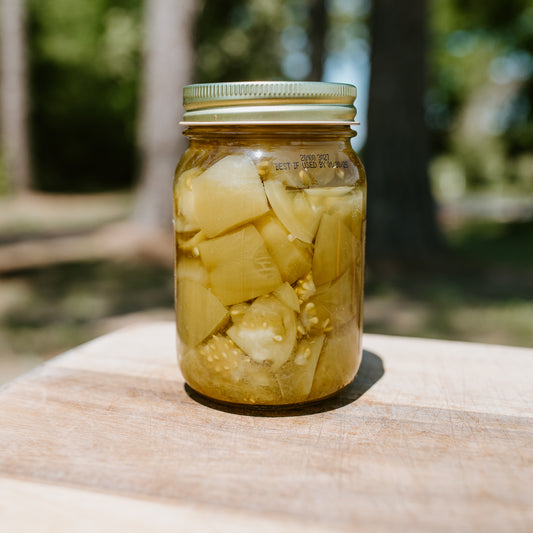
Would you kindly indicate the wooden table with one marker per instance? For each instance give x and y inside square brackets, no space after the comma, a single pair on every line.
[432,436]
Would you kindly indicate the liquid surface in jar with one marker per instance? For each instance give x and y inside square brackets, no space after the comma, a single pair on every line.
[268,281]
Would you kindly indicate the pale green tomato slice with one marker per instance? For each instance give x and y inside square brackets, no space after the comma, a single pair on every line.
[350,209]
[335,249]
[292,256]
[239,265]
[338,362]
[295,377]
[228,194]
[267,332]
[293,209]
[192,269]
[324,193]
[237,311]
[184,213]
[332,305]
[221,370]
[199,312]
[286,294]
[346,203]
[190,244]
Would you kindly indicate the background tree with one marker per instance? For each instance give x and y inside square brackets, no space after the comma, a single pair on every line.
[239,40]
[84,60]
[480,100]
[85,78]
[14,95]
[401,213]
[318,32]
[168,62]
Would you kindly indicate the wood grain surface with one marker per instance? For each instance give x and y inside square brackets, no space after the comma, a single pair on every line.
[432,435]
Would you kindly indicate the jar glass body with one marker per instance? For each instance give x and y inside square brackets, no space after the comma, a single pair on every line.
[270,229]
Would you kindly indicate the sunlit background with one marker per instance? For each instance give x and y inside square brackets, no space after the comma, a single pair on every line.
[72,263]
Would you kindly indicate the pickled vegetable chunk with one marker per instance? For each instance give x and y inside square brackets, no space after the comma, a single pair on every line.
[220,369]
[191,269]
[292,256]
[349,208]
[199,312]
[239,266]
[185,215]
[335,249]
[345,203]
[332,304]
[189,243]
[266,332]
[338,362]
[295,378]
[294,210]
[287,295]
[228,194]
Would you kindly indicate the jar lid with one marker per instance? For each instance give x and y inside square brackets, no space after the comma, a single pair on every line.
[269,102]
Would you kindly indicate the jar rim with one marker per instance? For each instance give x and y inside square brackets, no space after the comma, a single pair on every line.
[272,123]
[269,102]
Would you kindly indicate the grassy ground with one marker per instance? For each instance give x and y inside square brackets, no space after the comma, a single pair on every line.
[483,292]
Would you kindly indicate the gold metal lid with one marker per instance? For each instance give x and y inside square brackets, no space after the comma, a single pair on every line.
[269,102]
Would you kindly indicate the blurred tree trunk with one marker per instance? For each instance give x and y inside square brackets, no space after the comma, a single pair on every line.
[14,96]
[317,37]
[401,212]
[167,68]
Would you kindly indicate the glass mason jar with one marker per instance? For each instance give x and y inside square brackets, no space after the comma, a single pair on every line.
[269,222]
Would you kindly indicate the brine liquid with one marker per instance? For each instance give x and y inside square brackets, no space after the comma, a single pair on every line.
[268,281]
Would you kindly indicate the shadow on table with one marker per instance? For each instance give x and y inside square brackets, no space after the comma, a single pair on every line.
[370,372]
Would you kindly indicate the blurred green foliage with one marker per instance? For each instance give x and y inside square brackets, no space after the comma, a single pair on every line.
[84,61]
[480,100]
[239,40]
[85,81]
